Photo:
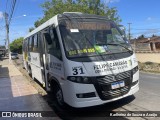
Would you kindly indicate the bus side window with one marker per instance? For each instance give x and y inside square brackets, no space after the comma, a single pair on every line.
[54,48]
[31,43]
[48,38]
[35,46]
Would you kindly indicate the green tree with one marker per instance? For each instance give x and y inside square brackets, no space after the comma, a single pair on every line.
[141,36]
[16,45]
[54,7]
[154,35]
[31,29]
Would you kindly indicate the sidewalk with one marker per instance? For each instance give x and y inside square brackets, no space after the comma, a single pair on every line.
[16,93]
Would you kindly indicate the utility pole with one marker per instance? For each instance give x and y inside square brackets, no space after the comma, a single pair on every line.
[7,35]
[129,31]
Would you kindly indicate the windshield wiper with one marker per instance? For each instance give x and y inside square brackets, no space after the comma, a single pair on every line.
[130,51]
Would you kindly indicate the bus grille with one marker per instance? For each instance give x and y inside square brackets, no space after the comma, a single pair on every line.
[113,78]
[103,85]
[115,93]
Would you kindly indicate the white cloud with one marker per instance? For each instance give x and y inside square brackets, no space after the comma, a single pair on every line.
[1,14]
[149,32]
[111,1]
[149,19]
[152,31]
[32,0]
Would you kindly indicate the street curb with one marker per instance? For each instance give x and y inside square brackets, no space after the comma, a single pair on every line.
[150,72]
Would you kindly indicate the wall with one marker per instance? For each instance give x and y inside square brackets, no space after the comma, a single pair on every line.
[148,57]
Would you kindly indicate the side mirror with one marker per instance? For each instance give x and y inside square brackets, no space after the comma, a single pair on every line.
[48,38]
[122,28]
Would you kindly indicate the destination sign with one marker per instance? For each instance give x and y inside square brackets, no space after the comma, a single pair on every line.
[88,25]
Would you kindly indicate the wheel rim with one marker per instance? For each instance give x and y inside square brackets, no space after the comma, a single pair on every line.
[59,97]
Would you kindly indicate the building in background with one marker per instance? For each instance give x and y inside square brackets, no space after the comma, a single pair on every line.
[151,44]
[2,50]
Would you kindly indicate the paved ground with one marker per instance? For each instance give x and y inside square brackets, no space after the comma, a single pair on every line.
[148,96]
[17,94]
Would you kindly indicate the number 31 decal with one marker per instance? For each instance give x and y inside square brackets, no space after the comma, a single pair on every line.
[77,70]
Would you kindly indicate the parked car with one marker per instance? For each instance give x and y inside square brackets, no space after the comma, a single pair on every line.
[14,56]
[7,55]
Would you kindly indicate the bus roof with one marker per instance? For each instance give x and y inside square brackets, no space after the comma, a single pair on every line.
[44,25]
[65,15]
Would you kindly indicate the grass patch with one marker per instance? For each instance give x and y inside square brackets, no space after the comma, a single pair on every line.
[149,67]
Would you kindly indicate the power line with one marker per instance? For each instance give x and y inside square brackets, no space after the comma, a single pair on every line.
[6,5]
[10,9]
[13,7]
[1,20]
[16,6]
[2,27]
[146,29]
[145,33]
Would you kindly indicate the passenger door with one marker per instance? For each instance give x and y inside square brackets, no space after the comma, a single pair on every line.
[52,55]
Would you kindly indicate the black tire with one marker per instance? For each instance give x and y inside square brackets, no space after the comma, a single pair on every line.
[59,97]
[23,65]
[30,71]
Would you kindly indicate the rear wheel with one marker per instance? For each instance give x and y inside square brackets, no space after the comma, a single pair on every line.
[23,65]
[30,71]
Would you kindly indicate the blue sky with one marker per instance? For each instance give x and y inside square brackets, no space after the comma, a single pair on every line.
[143,14]
[20,25]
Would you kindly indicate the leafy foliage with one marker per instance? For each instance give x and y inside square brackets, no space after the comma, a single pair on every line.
[54,7]
[16,45]
[141,37]
[154,35]
[31,29]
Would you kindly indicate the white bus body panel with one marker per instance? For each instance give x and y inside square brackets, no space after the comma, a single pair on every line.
[36,66]
[74,88]
[101,67]
[56,68]
[70,89]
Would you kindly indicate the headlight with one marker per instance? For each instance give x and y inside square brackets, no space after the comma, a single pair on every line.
[135,69]
[80,79]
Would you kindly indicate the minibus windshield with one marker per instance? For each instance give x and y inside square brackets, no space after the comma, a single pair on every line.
[88,38]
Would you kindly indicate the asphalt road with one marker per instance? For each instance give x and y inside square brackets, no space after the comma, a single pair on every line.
[146,99]
[148,96]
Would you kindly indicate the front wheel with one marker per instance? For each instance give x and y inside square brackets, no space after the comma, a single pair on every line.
[59,96]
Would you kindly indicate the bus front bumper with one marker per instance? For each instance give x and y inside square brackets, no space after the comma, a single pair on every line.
[73,101]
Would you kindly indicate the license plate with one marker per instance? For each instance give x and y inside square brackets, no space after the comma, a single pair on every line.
[116,85]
